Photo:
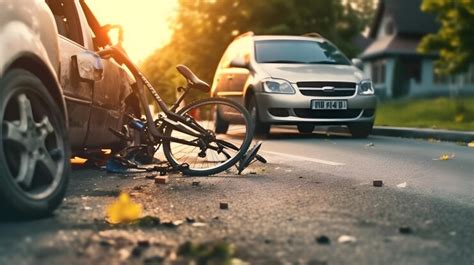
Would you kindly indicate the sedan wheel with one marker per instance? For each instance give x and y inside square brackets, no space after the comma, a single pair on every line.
[34,151]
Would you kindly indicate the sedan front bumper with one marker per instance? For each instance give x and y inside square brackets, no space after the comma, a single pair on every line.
[296,108]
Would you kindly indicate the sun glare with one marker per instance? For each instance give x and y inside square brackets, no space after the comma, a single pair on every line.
[146,23]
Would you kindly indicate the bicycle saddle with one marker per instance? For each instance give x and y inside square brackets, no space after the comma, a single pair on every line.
[192,79]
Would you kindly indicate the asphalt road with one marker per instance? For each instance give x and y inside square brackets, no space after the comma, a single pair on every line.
[314,186]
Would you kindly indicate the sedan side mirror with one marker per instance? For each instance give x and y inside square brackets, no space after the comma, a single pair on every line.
[87,66]
[358,63]
[239,62]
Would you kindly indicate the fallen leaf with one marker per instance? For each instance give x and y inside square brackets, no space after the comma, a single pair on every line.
[370,145]
[471,144]
[123,210]
[344,239]
[445,157]
[402,185]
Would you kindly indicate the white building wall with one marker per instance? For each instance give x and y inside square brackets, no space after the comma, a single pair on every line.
[428,86]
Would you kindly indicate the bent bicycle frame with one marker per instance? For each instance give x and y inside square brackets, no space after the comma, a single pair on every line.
[172,119]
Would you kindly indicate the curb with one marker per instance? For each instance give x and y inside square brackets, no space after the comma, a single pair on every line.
[443,135]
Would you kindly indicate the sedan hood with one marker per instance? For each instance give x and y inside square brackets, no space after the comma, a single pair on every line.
[311,72]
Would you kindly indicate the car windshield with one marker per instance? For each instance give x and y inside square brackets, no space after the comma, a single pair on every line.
[298,52]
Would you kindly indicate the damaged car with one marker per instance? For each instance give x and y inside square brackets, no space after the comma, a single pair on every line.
[58,98]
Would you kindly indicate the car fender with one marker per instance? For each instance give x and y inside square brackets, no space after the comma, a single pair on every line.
[28,31]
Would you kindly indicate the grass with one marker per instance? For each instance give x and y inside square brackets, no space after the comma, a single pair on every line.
[439,113]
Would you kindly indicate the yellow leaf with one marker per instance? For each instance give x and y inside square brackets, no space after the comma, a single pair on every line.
[471,144]
[446,157]
[123,210]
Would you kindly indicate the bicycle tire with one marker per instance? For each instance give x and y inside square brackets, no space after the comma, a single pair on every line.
[212,170]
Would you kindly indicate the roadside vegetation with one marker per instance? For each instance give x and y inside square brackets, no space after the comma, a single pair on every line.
[439,113]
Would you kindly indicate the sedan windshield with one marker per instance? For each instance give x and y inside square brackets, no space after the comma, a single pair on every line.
[298,52]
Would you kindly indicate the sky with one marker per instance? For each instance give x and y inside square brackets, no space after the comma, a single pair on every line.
[146,23]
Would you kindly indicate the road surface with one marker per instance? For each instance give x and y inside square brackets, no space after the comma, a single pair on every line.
[313,203]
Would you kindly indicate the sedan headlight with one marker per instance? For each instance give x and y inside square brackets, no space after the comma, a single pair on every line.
[366,87]
[278,86]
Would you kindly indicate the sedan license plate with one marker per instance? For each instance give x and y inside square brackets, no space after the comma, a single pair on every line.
[329,104]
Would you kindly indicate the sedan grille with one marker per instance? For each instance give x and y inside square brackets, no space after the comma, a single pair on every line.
[328,114]
[327,89]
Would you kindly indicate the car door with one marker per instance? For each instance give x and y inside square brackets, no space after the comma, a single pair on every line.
[108,105]
[78,94]
[109,94]
[237,77]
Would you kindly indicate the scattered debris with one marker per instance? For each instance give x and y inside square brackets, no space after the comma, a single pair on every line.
[471,144]
[267,241]
[87,208]
[345,239]
[124,254]
[139,187]
[199,224]
[402,185]
[196,184]
[452,233]
[190,219]
[378,183]
[143,243]
[123,210]
[148,221]
[172,224]
[370,145]
[154,260]
[224,206]
[253,173]
[405,230]
[208,253]
[445,157]
[162,180]
[323,240]
[151,177]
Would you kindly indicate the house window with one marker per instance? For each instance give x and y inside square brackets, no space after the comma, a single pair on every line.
[378,72]
[412,67]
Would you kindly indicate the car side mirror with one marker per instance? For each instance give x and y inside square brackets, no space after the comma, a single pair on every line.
[239,62]
[87,66]
[358,63]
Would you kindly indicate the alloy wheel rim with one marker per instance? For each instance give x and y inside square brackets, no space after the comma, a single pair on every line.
[33,148]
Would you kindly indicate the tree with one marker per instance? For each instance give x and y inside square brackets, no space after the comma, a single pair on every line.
[455,39]
[204,28]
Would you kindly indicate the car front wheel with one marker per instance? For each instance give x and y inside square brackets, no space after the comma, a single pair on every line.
[361,130]
[34,150]
[262,129]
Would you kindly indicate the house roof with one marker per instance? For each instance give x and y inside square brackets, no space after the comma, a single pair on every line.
[411,25]
[391,45]
[407,16]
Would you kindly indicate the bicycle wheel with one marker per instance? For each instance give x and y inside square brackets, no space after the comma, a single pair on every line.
[216,153]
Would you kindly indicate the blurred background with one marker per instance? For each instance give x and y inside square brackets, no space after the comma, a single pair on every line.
[419,53]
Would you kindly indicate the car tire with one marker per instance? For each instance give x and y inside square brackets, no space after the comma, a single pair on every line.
[34,148]
[305,127]
[222,126]
[261,129]
[361,130]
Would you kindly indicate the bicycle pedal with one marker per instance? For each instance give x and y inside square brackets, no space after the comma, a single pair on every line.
[120,134]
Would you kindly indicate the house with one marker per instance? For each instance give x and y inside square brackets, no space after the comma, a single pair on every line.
[392,60]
